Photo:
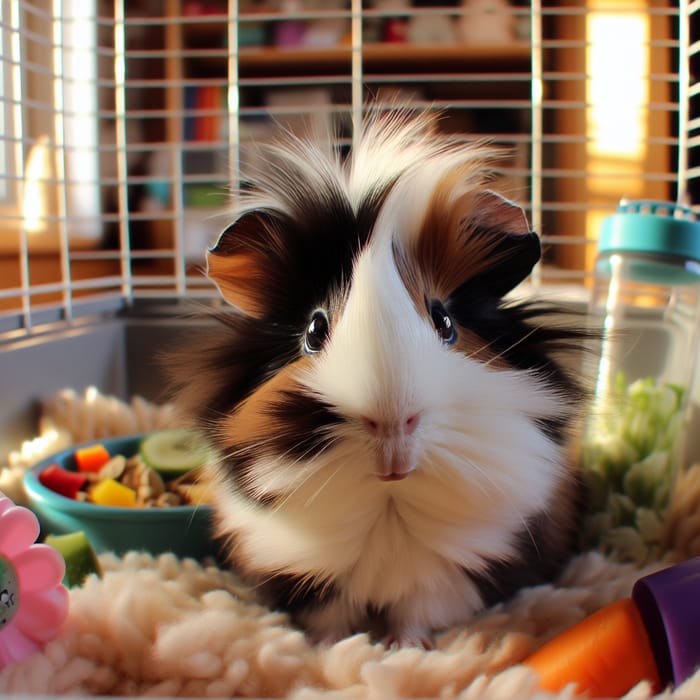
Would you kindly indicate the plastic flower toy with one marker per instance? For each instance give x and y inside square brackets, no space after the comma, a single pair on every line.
[33,602]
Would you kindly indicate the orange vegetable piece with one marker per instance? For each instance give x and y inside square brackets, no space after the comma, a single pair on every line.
[606,654]
[91,458]
[109,492]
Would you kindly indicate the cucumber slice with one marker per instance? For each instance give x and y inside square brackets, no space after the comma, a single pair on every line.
[80,557]
[173,453]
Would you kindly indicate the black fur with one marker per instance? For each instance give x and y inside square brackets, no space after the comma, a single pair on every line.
[241,352]
[310,436]
[527,336]
[312,420]
[293,593]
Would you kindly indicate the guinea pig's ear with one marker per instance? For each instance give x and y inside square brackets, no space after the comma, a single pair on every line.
[514,249]
[245,262]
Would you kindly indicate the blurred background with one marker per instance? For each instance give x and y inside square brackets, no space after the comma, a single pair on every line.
[123,124]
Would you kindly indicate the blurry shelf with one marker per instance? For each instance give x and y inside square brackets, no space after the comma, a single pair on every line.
[414,58]
[483,87]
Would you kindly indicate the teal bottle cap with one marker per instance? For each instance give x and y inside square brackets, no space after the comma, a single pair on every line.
[656,228]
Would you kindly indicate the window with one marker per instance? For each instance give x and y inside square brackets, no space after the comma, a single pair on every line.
[7,189]
[49,155]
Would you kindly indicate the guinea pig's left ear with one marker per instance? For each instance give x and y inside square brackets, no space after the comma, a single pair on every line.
[247,264]
[513,248]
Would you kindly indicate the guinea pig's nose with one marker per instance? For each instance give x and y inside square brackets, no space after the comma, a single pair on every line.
[391,428]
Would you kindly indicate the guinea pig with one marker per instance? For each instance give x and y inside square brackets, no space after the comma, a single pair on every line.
[391,431]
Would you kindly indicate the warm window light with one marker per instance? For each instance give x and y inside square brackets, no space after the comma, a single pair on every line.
[75,89]
[617,94]
[618,62]
[4,159]
[35,199]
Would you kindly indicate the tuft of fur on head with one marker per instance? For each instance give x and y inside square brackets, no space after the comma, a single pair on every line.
[392,433]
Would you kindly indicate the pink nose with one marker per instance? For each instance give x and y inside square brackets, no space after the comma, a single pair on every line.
[388,428]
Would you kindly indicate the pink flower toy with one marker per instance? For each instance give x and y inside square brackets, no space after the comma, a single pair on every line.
[33,601]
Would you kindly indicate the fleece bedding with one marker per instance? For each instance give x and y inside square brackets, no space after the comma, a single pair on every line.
[164,627]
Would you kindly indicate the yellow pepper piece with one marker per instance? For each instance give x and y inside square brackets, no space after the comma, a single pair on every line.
[111,493]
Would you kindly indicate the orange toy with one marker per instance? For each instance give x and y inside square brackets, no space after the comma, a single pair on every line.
[653,636]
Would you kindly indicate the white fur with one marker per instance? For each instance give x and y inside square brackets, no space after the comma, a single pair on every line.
[394,145]
[390,146]
[479,466]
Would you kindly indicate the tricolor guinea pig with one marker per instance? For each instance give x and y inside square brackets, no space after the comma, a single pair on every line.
[391,431]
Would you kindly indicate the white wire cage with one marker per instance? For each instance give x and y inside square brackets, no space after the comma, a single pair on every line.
[123,124]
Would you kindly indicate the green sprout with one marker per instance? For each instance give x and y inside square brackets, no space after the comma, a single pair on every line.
[629,459]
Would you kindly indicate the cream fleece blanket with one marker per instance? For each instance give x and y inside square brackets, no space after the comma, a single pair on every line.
[165,627]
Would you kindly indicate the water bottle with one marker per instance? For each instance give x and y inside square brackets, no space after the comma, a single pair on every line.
[645,299]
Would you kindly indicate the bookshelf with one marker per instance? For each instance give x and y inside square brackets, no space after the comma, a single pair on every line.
[417,59]
[483,88]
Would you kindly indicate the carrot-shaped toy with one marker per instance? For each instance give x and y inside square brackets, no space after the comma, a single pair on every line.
[653,636]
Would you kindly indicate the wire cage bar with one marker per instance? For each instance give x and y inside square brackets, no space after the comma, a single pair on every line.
[125,124]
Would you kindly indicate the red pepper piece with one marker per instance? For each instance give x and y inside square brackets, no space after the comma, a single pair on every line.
[62,481]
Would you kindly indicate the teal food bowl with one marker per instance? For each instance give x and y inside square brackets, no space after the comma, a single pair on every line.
[184,530]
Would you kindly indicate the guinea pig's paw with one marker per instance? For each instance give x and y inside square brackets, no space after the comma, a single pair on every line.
[409,639]
[327,625]
[328,637]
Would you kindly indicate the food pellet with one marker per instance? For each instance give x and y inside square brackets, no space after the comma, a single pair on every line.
[127,482]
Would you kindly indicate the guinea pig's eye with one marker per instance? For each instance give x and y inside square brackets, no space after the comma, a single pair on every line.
[316,332]
[443,323]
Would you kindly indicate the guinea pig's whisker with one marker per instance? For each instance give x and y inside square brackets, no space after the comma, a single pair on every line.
[303,582]
[453,457]
[504,493]
[486,493]
[459,447]
[256,448]
[243,451]
[520,340]
[318,491]
[456,461]
[308,470]
[476,353]
[305,454]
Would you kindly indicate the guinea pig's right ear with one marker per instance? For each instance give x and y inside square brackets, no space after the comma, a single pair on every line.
[246,262]
[515,248]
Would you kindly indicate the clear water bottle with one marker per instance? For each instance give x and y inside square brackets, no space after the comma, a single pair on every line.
[646,300]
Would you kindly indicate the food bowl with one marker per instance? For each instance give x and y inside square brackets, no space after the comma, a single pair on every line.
[184,530]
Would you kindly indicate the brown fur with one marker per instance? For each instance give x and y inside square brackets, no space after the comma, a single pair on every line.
[251,421]
[246,266]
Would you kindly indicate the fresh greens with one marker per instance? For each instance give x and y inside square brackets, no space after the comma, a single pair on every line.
[629,458]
